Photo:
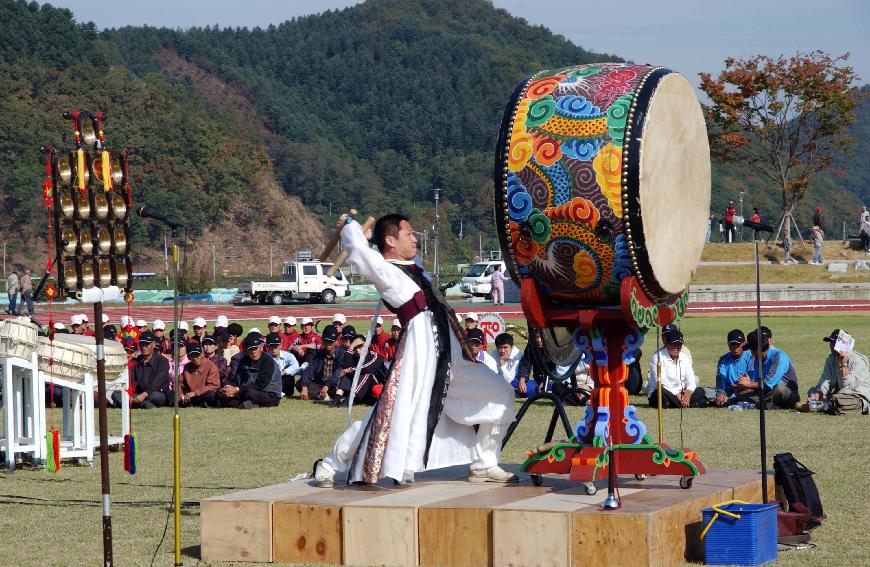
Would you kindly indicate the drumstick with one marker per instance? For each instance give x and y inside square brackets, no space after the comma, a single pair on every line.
[366,228]
[336,236]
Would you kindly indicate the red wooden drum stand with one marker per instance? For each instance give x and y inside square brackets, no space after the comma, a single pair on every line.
[610,434]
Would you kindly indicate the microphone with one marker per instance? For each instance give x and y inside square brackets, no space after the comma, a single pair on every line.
[148,213]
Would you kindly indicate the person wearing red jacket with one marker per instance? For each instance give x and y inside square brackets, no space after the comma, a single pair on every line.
[728,214]
[379,339]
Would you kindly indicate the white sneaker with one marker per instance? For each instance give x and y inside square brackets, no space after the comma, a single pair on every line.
[322,477]
[493,474]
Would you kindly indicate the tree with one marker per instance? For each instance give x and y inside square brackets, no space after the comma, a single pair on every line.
[782,117]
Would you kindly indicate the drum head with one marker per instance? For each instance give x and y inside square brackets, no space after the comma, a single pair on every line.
[674,183]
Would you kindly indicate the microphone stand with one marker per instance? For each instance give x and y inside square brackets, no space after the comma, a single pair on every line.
[176,420]
[758,366]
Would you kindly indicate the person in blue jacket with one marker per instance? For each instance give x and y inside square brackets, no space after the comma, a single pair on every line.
[731,366]
[778,376]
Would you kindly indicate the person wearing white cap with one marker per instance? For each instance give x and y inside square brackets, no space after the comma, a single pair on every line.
[164,345]
[274,324]
[419,423]
[60,328]
[183,329]
[393,341]
[222,322]
[125,321]
[380,338]
[470,320]
[338,321]
[109,330]
[290,337]
[308,338]
[75,323]
[199,329]
[142,325]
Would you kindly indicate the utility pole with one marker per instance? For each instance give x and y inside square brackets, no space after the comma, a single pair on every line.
[213,267]
[741,215]
[435,228]
[166,260]
[480,247]
[270,261]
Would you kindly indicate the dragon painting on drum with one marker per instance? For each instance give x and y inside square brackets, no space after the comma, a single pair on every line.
[579,212]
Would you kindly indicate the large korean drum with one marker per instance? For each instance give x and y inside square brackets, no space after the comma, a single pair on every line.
[602,172]
[18,338]
[71,356]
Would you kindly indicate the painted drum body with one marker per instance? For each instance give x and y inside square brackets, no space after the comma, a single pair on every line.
[602,172]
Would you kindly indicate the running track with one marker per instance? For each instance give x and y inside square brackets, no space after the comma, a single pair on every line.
[190,310]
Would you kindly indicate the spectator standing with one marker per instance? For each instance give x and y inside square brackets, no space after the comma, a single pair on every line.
[256,380]
[844,386]
[710,221]
[200,380]
[496,281]
[26,291]
[728,214]
[817,217]
[864,233]
[12,287]
[818,238]
[864,216]
[755,216]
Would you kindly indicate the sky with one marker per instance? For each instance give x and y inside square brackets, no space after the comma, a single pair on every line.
[688,36]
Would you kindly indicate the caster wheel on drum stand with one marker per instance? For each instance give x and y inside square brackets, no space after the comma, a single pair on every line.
[686,481]
[640,477]
[537,479]
[590,488]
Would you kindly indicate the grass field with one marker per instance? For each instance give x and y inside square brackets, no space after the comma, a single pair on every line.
[55,519]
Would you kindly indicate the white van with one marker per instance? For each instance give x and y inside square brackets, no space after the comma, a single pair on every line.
[476,280]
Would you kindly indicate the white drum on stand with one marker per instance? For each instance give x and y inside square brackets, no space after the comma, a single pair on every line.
[18,338]
[22,399]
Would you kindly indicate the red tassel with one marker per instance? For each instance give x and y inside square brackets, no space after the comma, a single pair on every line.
[55,448]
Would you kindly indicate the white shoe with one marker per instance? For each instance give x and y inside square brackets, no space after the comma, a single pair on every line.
[493,474]
[322,477]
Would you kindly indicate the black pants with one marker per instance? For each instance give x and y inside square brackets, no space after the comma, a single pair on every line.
[154,400]
[258,397]
[288,385]
[207,399]
[364,394]
[865,241]
[729,232]
[782,397]
[670,400]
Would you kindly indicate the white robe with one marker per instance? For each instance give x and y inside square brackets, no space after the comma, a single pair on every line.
[476,395]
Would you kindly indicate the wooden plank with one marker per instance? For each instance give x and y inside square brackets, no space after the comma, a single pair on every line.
[307,529]
[383,530]
[610,539]
[458,531]
[530,538]
[675,532]
[238,526]
[751,491]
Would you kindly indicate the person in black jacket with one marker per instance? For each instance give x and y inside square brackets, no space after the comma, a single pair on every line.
[255,381]
[316,381]
[150,377]
[372,376]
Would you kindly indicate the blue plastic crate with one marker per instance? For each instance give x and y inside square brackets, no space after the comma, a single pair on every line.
[749,540]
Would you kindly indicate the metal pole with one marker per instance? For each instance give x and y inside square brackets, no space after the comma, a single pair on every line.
[759,354]
[165,260]
[480,246]
[436,267]
[176,420]
[270,261]
[741,214]
[104,435]
[213,267]
[4,259]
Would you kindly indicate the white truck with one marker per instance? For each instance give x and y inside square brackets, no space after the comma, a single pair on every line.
[300,281]
[476,281]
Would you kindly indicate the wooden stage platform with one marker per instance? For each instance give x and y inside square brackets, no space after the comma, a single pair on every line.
[444,520]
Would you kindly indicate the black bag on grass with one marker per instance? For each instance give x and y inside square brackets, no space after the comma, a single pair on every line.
[800,489]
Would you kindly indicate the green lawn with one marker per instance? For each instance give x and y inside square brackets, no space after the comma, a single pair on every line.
[55,519]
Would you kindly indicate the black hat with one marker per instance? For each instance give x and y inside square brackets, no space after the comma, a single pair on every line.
[273,339]
[253,340]
[235,329]
[330,334]
[147,337]
[221,334]
[209,339]
[752,341]
[669,328]
[474,335]
[829,339]
[348,332]
[736,336]
[194,348]
[673,337]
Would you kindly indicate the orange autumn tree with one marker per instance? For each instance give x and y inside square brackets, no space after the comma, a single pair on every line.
[782,117]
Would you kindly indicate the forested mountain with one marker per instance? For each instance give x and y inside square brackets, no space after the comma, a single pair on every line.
[258,137]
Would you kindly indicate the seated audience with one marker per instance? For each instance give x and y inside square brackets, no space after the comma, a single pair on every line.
[338,321]
[234,332]
[309,340]
[200,329]
[677,376]
[474,337]
[150,376]
[507,359]
[379,339]
[200,380]
[110,332]
[322,363]
[779,376]
[211,352]
[731,366]
[290,337]
[393,341]
[844,386]
[372,377]
[256,379]
[287,364]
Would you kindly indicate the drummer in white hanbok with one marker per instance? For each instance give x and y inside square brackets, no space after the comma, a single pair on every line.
[435,394]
